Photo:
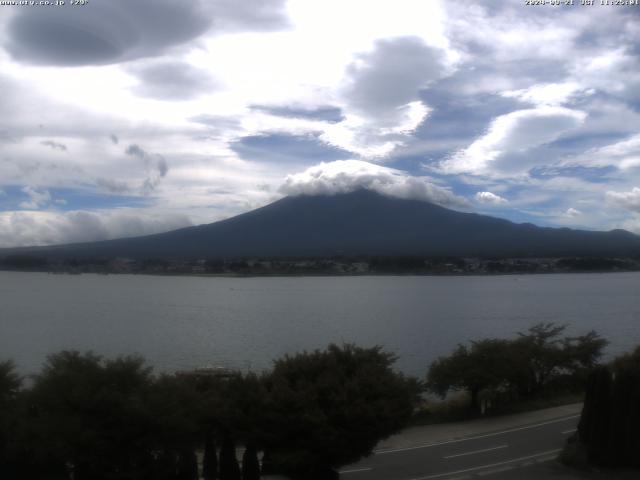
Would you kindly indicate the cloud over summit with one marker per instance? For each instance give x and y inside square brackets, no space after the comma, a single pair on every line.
[344,176]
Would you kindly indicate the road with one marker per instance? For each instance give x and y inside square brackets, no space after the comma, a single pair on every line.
[486,454]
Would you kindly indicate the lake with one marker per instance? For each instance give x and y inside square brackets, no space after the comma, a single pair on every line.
[186,322]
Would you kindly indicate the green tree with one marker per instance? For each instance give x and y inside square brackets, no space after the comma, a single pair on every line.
[330,408]
[518,368]
[92,414]
[541,345]
[484,365]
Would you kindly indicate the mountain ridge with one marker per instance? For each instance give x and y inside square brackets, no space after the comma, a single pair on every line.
[357,223]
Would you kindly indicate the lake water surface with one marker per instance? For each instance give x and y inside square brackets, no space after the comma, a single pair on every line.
[186,322]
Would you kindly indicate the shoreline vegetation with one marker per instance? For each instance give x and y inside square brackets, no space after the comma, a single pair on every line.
[86,417]
[336,266]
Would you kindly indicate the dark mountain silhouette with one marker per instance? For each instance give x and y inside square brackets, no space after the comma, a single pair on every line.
[358,223]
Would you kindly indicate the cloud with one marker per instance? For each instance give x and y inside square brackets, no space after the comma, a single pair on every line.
[547,94]
[623,155]
[383,81]
[489,198]
[381,95]
[135,151]
[37,198]
[112,185]
[248,15]
[344,176]
[104,32]
[50,227]
[54,145]
[121,30]
[325,113]
[172,80]
[157,168]
[286,149]
[572,212]
[629,200]
[513,133]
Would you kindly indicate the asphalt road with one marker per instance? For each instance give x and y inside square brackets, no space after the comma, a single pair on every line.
[486,455]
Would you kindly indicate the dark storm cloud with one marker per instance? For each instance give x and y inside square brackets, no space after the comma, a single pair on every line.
[286,149]
[120,30]
[325,113]
[172,80]
[54,145]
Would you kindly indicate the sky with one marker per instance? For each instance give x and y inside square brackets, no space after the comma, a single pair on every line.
[123,118]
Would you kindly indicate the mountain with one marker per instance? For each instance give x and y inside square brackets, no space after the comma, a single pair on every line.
[358,223]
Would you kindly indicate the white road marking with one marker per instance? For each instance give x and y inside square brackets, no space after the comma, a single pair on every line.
[466,439]
[354,470]
[477,451]
[569,431]
[481,467]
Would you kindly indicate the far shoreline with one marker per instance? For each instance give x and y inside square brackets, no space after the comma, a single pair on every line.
[328,274]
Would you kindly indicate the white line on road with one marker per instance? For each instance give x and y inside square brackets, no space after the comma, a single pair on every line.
[355,470]
[569,431]
[466,439]
[477,451]
[481,467]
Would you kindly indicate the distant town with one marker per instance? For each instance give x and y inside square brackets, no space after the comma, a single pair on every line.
[323,266]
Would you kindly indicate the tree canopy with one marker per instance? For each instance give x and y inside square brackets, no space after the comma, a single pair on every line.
[330,408]
[519,367]
[87,417]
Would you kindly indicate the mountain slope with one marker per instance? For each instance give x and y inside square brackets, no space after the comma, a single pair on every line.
[358,223]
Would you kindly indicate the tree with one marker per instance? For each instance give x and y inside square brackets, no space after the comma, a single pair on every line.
[485,365]
[10,384]
[229,468]
[522,367]
[250,463]
[610,420]
[187,468]
[91,414]
[210,458]
[329,408]
[541,346]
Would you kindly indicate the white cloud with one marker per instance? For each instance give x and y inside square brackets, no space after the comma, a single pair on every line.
[380,95]
[513,133]
[547,94]
[344,176]
[572,212]
[629,200]
[48,227]
[37,198]
[632,224]
[623,155]
[490,198]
